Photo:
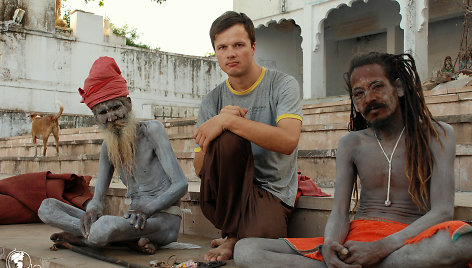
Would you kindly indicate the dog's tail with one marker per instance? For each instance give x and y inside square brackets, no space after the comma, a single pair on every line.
[61,109]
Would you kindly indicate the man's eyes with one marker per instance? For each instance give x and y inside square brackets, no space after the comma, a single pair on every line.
[358,93]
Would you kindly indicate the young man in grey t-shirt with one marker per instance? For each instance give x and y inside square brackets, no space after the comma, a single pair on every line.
[247,136]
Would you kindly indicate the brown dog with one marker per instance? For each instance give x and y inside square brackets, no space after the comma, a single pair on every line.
[43,126]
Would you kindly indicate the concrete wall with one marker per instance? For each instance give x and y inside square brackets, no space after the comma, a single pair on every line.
[39,66]
[333,31]
[278,46]
[340,51]
[258,10]
[440,47]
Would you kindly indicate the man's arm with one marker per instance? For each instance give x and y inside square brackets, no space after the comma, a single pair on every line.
[95,206]
[282,138]
[337,227]
[441,198]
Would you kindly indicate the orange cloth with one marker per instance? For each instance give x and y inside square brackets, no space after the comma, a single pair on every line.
[21,196]
[373,230]
[104,82]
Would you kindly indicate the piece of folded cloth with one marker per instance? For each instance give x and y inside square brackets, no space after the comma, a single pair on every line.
[21,196]
[373,230]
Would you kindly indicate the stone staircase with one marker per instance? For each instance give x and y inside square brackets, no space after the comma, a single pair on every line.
[325,122]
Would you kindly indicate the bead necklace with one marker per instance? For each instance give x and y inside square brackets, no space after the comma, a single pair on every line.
[389,160]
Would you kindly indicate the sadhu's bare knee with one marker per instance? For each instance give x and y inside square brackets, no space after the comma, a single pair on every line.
[102,231]
[47,208]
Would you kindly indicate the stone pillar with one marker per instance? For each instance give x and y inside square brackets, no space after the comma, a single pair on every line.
[415,25]
[314,58]
[318,67]
[39,14]
[87,27]
[394,40]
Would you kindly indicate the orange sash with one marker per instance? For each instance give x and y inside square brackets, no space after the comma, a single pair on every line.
[373,230]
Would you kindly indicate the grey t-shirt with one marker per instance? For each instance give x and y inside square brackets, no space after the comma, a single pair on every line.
[274,96]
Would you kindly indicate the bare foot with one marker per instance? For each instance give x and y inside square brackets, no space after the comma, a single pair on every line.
[67,237]
[144,245]
[217,242]
[223,252]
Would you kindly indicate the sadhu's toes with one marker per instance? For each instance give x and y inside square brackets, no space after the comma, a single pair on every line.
[146,246]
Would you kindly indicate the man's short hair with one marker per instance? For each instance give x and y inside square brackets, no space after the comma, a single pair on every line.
[227,20]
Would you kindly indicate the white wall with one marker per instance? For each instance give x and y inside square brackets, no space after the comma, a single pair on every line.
[439,47]
[37,68]
[330,25]
[278,46]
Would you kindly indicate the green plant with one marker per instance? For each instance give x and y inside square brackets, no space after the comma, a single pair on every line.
[131,35]
[66,16]
[102,2]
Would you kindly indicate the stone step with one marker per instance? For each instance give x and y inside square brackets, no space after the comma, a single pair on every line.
[84,164]
[320,165]
[444,101]
[70,134]
[324,136]
[308,219]
[66,148]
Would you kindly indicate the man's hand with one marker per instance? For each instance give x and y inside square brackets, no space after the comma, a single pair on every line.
[234,110]
[333,254]
[211,129]
[365,253]
[91,216]
[138,218]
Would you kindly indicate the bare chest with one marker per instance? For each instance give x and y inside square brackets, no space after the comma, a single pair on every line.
[374,167]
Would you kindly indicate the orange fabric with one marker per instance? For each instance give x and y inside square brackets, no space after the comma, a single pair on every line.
[21,196]
[104,82]
[373,230]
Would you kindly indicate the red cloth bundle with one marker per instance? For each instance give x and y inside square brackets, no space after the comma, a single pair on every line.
[21,196]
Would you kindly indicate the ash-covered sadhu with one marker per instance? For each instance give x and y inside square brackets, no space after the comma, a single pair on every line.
[142,155]
[404,160]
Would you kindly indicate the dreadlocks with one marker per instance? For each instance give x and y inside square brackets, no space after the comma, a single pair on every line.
[419,123]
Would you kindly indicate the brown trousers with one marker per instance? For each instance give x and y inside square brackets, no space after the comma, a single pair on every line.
[229,197]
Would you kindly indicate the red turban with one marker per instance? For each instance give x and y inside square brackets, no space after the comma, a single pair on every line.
[104,82]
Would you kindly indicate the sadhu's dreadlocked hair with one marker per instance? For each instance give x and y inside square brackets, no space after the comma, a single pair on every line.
[419,123]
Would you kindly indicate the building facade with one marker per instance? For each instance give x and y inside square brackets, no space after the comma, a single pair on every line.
[313,40]
[41,64]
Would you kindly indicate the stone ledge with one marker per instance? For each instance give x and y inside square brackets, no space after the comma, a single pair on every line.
[52,143]
[462,203]
[180,122]
[51,158]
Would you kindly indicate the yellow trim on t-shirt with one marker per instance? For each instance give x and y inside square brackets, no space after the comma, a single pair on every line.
[294,116]
[197,149]
[258,81]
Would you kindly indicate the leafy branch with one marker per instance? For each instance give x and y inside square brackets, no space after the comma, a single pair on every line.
[102,2]
[131,35]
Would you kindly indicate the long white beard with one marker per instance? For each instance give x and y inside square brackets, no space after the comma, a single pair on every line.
[121,144]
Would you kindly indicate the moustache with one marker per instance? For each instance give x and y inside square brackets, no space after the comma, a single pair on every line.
[374,105]
[117,124]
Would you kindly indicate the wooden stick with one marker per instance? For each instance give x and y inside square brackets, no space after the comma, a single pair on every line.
[97,256]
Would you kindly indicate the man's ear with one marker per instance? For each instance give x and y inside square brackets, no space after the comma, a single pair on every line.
[398,85]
